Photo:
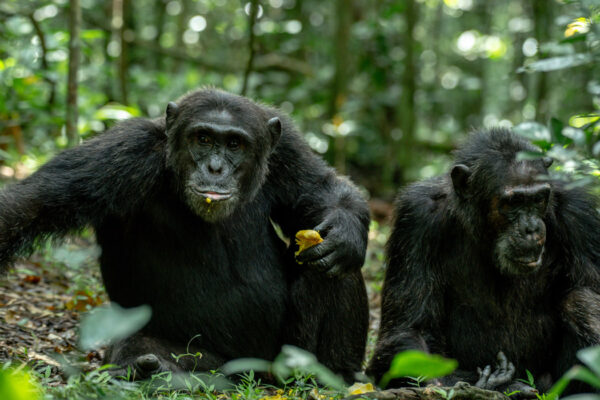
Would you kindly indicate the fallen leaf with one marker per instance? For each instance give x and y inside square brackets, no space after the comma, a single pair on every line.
[361,388]
[83,301]
[307,238]
[32,279]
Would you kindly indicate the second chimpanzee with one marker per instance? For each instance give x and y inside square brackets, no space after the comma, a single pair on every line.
[183,208]
[493,261]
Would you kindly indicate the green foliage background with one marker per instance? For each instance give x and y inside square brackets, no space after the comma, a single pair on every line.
[383,89]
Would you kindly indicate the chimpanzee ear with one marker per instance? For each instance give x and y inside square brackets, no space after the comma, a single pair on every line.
[547,161]
[460,175]
[274,125]
[171,114]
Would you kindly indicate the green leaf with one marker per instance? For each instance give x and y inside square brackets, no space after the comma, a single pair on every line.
[529,155]
[557,63]
[418,363]
[109,324]
[577,372]
[533,131]
[116,111]
[18,385]
[591,358]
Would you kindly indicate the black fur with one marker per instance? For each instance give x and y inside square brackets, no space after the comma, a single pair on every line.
[445,292]
[228,279]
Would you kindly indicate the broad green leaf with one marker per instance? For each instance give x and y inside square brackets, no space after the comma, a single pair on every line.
[533,131]
[591,358]
[116,111]
[577,135]
[577,372]
[18,385]
[246,364]
[529,155]
[418,363]
[109,324]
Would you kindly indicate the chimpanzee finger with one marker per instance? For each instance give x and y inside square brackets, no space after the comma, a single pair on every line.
[483,377]
[316,252]
[324,264]
[502,361]
[323,228]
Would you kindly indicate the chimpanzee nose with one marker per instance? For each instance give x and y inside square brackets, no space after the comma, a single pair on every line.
[533,230]
[215,166]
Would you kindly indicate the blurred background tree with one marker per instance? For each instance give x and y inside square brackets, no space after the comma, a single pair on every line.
[383,89]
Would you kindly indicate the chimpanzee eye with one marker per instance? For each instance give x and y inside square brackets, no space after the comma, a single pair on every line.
[204,139]
[234,143]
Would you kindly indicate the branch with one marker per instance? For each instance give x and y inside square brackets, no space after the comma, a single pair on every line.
[461,391]
[45,66]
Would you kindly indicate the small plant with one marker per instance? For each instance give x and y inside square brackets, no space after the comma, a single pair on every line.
[412,363]
[588,373]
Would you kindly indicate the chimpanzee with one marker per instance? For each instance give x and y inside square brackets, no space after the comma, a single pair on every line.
[495,265]
[184,208]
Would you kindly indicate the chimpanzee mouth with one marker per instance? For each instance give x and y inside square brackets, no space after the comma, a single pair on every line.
[530,262]
[212,195]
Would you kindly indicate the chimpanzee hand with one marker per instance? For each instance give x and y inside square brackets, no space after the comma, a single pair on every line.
[503,374]
[342,250]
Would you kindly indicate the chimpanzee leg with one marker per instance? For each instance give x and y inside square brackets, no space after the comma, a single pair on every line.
[147,355]
[329,317]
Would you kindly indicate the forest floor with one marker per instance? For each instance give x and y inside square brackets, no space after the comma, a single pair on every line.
[43,298]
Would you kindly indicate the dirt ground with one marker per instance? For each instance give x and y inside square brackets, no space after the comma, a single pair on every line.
[43,298]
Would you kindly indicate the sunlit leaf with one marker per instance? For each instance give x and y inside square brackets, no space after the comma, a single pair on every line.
[557,63]
[117,112]
[18,385]
[360,388]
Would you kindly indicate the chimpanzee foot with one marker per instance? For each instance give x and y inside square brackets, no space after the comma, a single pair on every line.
[521,390]
[502,375]
[143,367]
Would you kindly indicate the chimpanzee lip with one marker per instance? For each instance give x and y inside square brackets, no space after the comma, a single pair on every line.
[529,261]
[216,195]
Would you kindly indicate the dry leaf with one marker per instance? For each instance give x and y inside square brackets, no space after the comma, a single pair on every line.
[360,388]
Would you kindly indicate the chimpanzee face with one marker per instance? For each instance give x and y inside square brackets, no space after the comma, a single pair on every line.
[219,152]
[220,158]
[518,213]
[515,203]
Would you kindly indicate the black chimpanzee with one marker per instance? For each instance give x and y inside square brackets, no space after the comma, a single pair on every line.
[493,261]
[182,208]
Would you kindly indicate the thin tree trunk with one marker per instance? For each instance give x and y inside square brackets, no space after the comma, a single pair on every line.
[74,53]
[343,12]
[542,15]
[40,34]
[409,88]
[251,45]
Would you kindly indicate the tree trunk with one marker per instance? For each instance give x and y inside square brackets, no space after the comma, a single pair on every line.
[542,16]
[343,12]
[74,52]
[251,45]
[409,88]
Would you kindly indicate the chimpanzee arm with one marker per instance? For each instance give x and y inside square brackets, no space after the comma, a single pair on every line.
[413,291]
[110,174]
[576,230]
[307,194]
